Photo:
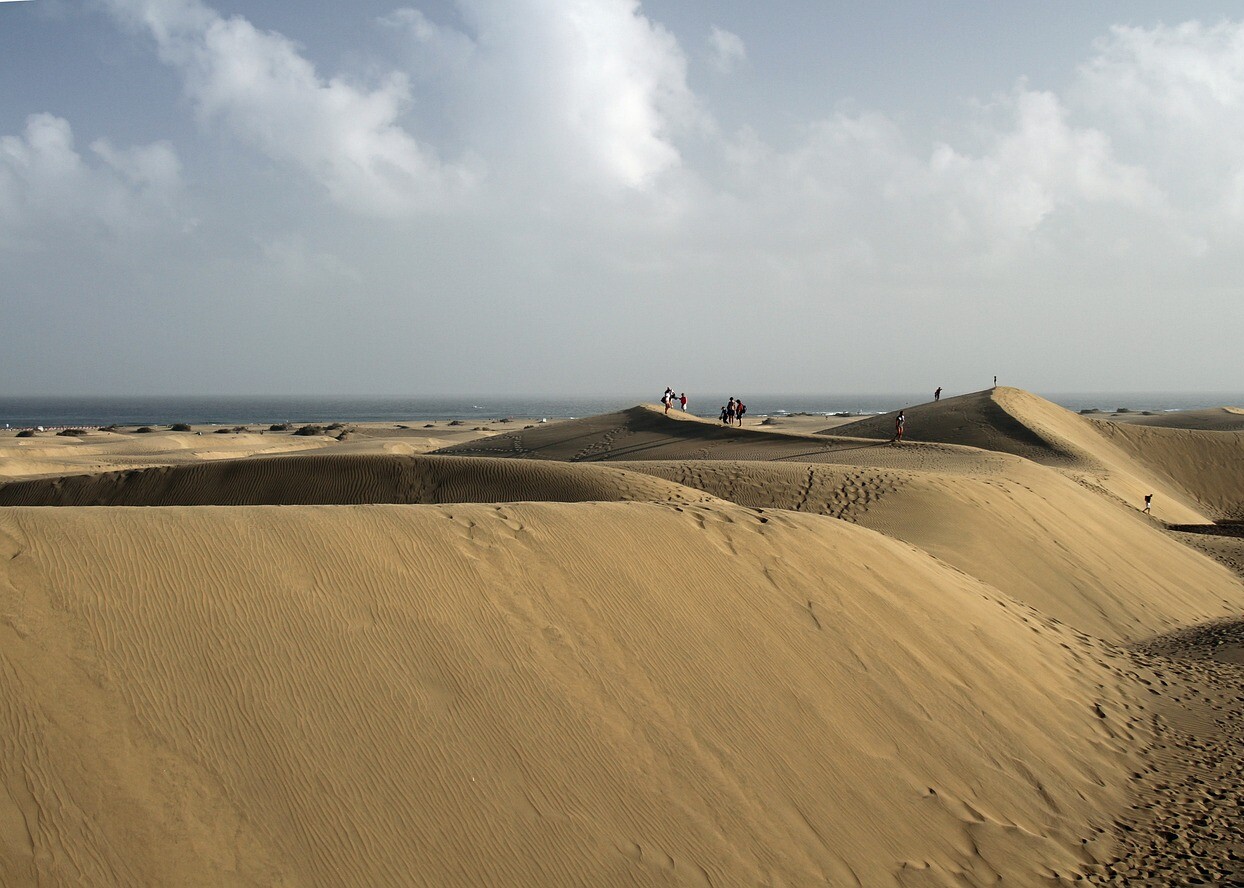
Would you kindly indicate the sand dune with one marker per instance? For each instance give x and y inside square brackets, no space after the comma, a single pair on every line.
[1211,419]
[1011,420]
[877,665]
[344,479]
[1047,541]
[678,695]
[969,434]
[1030,531]
[1051,515]
[1229,550]
[1206,466]
[645,433]
[628,434]
[100,451]
[1002,419]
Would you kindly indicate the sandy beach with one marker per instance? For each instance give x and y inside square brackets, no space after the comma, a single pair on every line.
[629,649]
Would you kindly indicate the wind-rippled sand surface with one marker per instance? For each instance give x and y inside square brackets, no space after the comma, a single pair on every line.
[627,650]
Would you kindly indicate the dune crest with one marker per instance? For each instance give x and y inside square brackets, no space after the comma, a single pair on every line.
[344,479]
[1011,420]
[1054,544]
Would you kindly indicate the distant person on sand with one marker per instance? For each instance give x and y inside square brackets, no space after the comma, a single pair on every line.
[995,382]
[937,395]
[739,409]
[900,422]
[723,412]
[730,412]
[1148,503]
[682,399]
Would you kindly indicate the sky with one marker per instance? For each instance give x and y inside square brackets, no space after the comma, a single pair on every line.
[216,197]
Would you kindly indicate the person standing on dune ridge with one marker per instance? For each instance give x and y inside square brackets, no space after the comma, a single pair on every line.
[900,423]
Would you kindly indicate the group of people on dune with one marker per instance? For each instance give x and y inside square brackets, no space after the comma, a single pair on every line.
[733,412]
[669,399]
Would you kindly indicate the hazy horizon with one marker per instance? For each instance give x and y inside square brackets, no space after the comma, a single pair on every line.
[599,395]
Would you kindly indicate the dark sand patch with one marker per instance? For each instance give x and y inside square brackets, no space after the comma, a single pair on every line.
[1186,822]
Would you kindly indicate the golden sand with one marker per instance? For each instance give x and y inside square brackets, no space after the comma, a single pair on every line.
[626,650]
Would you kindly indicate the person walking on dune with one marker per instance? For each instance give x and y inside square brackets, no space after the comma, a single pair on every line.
[739,409]
[682,399]
[900,423]
[1148,503]
[668,399]
[937,395]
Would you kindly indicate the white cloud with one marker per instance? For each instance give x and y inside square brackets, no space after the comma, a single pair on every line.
[611,198]
[1170,76]
[259,86]
[589,93]
[49,190]
[727,50]
[1030,170]
[1175,98]
[856,206]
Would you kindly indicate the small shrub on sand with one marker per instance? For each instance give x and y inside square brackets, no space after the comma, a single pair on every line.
[280,427]
[144,430]
[179,427]
[306,430]
[26,433]
[71,433]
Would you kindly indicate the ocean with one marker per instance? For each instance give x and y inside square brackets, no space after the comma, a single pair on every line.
[28,412]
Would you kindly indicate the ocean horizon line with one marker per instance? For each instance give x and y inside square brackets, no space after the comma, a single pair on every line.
[103,411]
